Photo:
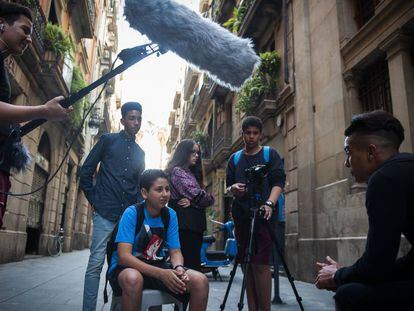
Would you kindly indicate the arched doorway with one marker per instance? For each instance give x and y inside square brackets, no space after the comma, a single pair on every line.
[37,199]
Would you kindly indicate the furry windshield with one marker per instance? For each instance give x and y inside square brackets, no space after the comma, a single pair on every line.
[228,59]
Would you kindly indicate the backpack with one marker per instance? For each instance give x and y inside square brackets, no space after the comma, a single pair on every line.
[111,246]
[266,155]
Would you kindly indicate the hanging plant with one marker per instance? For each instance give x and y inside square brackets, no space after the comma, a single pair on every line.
[263,81]
[233,24]
[200,137]
[79,107]
[57,40]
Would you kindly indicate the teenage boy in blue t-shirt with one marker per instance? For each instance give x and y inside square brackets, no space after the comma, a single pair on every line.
[140,261]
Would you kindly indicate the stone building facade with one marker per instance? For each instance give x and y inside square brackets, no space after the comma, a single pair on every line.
[338,58]
[31,221]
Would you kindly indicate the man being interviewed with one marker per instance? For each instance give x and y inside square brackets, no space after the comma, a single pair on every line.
[378,280]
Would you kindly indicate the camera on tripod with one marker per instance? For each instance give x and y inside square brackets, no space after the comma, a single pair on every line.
[255,174]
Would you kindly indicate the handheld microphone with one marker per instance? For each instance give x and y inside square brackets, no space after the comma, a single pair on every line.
[227,59]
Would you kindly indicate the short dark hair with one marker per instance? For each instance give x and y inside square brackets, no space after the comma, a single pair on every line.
[130,106]
[379,123]
[11,12]
[252,121]
[149,176]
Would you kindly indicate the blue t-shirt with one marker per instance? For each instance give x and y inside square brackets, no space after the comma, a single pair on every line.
[148,244]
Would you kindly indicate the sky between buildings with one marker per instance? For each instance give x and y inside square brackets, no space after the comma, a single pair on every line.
[153,83]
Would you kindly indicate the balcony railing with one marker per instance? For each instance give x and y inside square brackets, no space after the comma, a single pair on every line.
[222,140]
[82,13]
[34,52]
[39,23]
[259,13]
[191,76]
[50,77]
[201,101]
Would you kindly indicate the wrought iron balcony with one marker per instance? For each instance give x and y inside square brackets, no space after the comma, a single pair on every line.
[82,13]
[50,76]
[201,101]
[259,15]
[190,80]
[34,53]
[222,10]
[222,142]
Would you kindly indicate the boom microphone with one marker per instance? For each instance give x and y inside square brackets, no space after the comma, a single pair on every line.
[228,59]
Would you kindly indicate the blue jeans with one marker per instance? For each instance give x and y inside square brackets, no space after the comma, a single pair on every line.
[102,229]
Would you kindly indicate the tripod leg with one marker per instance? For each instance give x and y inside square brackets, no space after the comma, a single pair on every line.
[282,259]
[276,297]
[248,256]
[232,274]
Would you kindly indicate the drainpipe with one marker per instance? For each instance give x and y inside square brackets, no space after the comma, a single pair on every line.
[285,42]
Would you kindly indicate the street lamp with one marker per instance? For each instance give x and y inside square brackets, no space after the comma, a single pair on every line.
[94,123]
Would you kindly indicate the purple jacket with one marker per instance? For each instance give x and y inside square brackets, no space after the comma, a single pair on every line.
[183,184]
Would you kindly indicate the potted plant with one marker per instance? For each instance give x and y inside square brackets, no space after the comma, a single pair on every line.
[234,22]
[201,138]
[56,41]
[263,82]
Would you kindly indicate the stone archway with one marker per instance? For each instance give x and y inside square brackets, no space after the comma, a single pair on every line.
[37,200]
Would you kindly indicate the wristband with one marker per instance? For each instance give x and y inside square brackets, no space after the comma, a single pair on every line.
[270,204]
[177,266]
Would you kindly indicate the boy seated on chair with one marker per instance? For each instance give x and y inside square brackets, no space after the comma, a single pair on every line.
[140,260]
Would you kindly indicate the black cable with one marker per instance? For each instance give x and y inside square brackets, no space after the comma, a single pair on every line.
[78,131]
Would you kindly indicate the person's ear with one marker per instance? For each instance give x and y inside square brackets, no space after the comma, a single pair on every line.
[122,121]
[372,149]
[144,193]
[1,27]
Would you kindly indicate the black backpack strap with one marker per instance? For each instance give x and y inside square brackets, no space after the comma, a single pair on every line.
[140,217]
[165,217]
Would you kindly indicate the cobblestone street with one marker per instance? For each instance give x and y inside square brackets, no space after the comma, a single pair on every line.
[46,283]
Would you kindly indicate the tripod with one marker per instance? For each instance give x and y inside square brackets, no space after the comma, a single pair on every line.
[254,206]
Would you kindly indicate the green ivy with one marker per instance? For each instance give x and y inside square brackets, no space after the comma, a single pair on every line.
[234,22]
[28,3]
[57,40]
[263,81]
[79,107]
[200,137]
[250,93]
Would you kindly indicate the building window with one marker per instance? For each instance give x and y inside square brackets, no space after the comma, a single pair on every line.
[365,9]
[374,88]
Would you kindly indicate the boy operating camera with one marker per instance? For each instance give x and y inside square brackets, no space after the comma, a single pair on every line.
[259,278]
[140,261]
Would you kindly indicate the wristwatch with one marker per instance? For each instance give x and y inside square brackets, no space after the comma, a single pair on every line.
[270,204]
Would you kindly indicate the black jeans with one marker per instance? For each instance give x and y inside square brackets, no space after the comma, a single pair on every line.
[384,296]
[190,242]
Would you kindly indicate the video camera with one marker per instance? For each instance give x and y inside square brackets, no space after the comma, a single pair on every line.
[255,174]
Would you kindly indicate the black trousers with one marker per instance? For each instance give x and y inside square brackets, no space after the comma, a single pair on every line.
[384,296]
[190,248]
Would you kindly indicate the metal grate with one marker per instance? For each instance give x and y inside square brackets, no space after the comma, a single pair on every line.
[374,90]
[37,199]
